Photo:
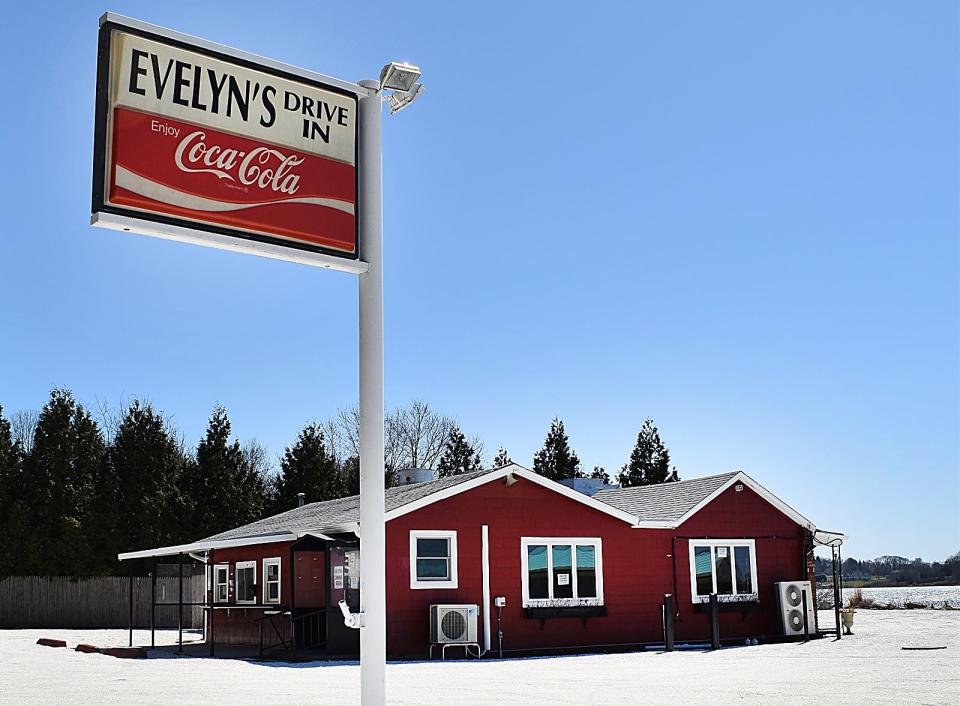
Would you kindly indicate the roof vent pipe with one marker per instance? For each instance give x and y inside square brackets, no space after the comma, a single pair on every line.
[300,498]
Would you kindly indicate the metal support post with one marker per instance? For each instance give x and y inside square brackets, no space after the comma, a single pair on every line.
[180,604]
[373,634]
[714,622]
[837,595]
[212,586]
[153,604]
[130,606]
[668,622]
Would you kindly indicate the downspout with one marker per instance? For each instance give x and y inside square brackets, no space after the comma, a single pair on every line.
[485,571]
[676,598]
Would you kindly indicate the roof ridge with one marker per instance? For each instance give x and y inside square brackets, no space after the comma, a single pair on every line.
[670,484]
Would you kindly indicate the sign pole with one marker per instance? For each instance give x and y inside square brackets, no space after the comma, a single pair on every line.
[373,604]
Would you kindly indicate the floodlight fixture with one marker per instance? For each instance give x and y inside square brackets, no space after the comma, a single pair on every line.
[400,100]
[399,76]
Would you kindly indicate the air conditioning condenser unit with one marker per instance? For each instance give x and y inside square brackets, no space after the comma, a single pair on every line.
[791,596]
[453,624]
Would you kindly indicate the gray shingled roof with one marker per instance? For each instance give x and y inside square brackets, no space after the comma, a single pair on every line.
[667,501]
[331,513]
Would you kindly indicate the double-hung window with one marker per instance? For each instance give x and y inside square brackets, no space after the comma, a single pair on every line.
[561,571]
[271,580]
[246,577]
[433,559]
[221,583]
[727,567]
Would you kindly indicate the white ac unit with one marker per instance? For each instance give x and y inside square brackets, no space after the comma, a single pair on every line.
[790,599]
[453,624]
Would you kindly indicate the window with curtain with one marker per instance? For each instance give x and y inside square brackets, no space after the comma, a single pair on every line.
[561,571]
[726,567]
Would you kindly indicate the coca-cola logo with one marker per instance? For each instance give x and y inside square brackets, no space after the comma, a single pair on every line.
[265,167]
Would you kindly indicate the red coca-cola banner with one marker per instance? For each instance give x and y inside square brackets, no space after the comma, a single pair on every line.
[195,139]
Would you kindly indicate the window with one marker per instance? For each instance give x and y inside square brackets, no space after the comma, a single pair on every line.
[727,567]
[433,559]
[271,580]
[246,582]
[561,571]
[221,583]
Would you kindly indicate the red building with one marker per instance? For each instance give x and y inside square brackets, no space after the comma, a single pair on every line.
[571,571]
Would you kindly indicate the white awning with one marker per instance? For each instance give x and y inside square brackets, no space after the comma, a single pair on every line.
[204,546]
[826,538]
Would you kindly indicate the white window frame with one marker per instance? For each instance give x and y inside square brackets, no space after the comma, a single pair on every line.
[418,583]
[236,573]
[217,584]
[269,561]
[550,601]
[713,543]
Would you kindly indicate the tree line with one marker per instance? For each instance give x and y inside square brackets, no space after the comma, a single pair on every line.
[894,570]
[77,487]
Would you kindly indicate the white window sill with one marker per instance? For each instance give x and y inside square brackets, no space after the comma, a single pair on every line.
[561,602]
[415,584]
[739,598]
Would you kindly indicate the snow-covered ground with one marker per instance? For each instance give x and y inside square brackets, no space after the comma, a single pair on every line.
[929,596]
[869,667]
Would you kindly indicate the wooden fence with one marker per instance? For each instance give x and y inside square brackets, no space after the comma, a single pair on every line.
[99,602]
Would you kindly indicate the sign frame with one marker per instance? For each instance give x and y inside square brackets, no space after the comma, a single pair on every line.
[207,234]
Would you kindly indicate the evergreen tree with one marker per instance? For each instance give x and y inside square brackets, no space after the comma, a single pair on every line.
[10,458]
[60,477]
[225,490]
[458,455]
[556,460]
[350,475]
[649,462]
[307,467]
[600,473]
[144,469]
[501,459]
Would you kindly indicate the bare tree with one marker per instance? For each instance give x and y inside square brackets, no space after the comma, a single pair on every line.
[257,459]
[24,424]
[110,418]
[421,435]
[343,433]
[413,436]
[479,448]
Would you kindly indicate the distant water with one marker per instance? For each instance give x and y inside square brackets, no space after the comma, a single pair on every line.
[930,596]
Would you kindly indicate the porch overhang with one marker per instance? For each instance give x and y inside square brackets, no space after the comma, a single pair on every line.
[207,545]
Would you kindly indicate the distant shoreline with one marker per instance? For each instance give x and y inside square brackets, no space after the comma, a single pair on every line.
[884,583]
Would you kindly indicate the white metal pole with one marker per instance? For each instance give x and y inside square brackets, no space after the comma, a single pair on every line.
[373,579]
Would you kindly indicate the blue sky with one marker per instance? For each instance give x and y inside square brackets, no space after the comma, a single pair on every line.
[739,219]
